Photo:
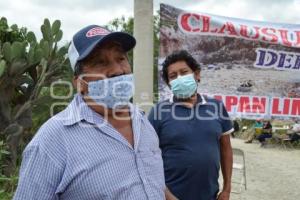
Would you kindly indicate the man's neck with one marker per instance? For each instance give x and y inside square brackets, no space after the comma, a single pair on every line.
[190,102]
[119,119]
[107,113]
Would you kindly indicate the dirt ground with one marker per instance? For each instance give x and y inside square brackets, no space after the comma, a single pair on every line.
[271,82]
[273,173]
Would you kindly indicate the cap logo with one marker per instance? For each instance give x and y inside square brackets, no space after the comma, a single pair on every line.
[97,31]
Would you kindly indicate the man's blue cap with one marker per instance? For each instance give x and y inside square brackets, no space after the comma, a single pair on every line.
[85,40]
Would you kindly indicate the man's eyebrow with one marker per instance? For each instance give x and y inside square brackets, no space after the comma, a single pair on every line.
[120,50]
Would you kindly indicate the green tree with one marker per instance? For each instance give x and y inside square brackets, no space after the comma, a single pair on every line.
[124,25]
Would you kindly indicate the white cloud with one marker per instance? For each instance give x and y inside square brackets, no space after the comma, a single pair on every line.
[76,14]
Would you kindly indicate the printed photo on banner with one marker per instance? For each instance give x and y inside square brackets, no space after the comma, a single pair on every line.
[252,66]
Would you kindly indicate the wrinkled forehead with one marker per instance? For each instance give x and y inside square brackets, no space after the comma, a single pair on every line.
[110,48]
[109,45]
[177,66]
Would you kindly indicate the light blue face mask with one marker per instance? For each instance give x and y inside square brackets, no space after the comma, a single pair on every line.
[184,87]
[113,92]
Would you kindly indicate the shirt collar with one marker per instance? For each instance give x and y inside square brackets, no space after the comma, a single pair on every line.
[200,100]
[77,111]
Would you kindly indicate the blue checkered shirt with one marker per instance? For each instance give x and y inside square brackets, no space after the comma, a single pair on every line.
[78,155]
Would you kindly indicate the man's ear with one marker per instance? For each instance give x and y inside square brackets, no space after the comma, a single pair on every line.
[197,75]
[79,85]
[75,82]
[168,84]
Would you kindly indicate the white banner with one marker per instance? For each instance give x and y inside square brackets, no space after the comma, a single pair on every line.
[254,67]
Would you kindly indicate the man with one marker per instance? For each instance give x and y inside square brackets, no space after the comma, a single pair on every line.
[255,132]
[101,146]
[236,127]
[194,133]
[294,133]
[266,133]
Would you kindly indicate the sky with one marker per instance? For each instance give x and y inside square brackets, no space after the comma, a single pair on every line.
[76,14]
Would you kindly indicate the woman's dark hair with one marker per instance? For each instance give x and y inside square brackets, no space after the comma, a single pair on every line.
[176,56]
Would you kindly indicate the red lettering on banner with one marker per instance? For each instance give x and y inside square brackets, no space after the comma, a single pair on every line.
[214,30]
[275,107]
[259,105]
[206,22]
[284,37]
[269,36]
[197,17]
[298,39]
[230,101]
[256,36]
[218,97]
[286,106]
[244,31]
[229,27]
[184,20]
[222,29]
[197,23]
[296,107]
[244,105]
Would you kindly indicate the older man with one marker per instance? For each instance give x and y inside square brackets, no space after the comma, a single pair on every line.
[294,133]
[101,146]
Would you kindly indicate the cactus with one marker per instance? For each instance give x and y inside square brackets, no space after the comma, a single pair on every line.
[31,37]
[26,66]
[7,51]
[2,67]
[56,27]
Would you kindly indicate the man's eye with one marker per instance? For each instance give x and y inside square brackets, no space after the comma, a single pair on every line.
[100,63]
[122,58]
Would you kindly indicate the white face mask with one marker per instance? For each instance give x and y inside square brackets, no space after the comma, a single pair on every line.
[112,92]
